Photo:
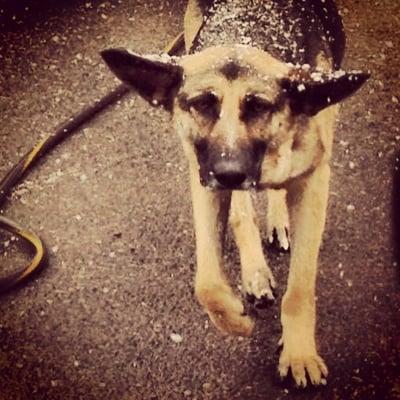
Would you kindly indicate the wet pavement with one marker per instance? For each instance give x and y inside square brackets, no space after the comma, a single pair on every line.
[113,316]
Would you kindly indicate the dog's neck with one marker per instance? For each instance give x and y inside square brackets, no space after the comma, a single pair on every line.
[290,30]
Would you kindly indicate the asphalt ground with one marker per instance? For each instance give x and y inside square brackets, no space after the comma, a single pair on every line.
[113,315]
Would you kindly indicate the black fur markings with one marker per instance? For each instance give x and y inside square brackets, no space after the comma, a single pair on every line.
[311,96]
[155,80]
[294,31]
[231,70]
[206,104]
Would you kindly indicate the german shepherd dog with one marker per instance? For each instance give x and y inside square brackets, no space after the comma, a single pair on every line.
[254,101]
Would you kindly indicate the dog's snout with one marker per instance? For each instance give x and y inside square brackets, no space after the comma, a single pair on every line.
[231,179]
[229,175]
[259,148]
[224,168]
[201,146]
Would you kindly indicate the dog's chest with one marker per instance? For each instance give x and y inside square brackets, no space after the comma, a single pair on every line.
[288,30]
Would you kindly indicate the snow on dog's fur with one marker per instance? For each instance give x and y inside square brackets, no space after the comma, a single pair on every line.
[254,102]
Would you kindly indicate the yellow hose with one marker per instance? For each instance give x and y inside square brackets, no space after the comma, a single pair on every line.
[41,148]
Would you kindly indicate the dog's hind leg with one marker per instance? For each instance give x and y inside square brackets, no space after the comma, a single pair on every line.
[277,218]
[212,290]
[257,279]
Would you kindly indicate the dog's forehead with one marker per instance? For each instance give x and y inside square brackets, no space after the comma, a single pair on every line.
[234,62]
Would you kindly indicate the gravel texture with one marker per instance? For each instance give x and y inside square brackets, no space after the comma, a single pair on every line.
[113,316]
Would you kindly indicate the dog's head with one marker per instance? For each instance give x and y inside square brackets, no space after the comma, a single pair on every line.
[247,118]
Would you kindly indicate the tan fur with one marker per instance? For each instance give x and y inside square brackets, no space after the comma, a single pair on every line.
[211,287]
[192,22]
[297,163]
[257,278]
[278,217]
[241,113]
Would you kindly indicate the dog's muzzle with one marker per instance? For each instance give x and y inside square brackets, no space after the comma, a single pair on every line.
[237,169]
[231,174]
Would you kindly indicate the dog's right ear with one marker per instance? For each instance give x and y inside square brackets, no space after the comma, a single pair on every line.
[156,78]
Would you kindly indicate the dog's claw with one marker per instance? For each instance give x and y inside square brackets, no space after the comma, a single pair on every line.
[259,288]
[279,239]
[279,348]
[262,302]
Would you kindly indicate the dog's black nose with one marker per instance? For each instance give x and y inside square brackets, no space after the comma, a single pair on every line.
[230,178]
[230,173]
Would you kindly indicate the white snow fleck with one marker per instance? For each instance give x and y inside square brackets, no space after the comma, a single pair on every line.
[257,24]
[349,283]
[176,338]
[301,87]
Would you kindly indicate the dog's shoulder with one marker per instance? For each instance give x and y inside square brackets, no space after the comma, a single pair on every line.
[294,31]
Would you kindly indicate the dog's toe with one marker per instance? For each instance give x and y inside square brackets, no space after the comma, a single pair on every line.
[259,287]
[309,365]
[279,239]
[261,303]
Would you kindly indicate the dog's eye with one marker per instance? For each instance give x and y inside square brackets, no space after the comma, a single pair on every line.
[254,107]
[206,104]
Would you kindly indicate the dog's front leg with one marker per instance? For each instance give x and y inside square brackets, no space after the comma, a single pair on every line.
[307,200]
[212,290]
[257,279]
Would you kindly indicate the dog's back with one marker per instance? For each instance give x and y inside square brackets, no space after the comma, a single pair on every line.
[295,31]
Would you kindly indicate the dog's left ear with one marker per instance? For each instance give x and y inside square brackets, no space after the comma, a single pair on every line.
[309,93]
[155,78]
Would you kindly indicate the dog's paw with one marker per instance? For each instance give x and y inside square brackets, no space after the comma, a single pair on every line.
[225,310]
[259,286]
[278,236]
[303,363]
